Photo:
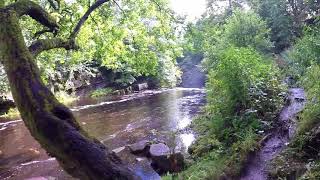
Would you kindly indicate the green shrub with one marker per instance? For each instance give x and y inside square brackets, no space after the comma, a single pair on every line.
[241,30]
[311,114]
[247,29]
[305,52]
[242,90]
[101,92]
[243,82]
[11,114]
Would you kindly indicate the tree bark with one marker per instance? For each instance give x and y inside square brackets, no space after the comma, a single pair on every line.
[50,122]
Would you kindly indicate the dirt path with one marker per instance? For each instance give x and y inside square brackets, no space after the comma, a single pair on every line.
[276,141]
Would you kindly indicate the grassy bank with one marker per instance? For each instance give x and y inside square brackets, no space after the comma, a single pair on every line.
[242,108]
[301,158]
[212,159]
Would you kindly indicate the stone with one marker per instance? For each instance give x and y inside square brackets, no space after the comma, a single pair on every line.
[128,90]
[33,152]
[140,87]
[164,161]
[118,150]
[140,147]
[157,150]
[122,92]
[42,178]
[125,154]
[140,159]
[116,93]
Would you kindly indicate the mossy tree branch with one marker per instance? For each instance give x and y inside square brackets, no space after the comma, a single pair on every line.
[83,19]
[41,45]
[46,44]
[51,123]
[35,11]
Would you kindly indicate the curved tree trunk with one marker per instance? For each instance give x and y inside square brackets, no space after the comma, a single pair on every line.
[50,122]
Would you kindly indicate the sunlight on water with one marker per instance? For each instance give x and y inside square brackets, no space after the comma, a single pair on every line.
[184,122]
[187,139]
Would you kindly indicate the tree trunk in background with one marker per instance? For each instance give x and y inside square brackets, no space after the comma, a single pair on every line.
[50,122]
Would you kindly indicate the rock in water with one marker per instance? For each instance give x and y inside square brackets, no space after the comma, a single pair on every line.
[140,87]
[163,161]
[118,150]
[157,150]
[140,147]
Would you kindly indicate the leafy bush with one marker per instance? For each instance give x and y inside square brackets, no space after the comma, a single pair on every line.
[242,29]
[305,52]
[101,92]
[311,114]
[13,113]
[243,90]
[65,98]
[243,82]
[220,160]
[281,23]
[168,72]
[247,29]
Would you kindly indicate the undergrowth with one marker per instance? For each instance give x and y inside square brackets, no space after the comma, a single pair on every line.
[244,98]
[101,92]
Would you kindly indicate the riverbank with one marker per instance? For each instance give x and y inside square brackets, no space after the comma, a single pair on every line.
[12,113]
[246,159]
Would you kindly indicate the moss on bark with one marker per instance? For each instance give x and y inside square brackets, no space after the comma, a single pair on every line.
[51,123]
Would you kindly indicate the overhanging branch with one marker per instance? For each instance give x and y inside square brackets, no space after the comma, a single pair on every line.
[35,11]
[41,45]
[83,19]
[46,44]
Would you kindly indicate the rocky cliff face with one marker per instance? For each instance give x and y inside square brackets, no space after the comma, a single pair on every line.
[193,76]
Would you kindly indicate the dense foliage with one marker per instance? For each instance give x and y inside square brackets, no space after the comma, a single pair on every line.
[247,29]
[305,52]
[242,89]
[244,92]
[129,39]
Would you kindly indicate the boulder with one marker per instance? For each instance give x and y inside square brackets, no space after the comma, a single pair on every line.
[159,150]
[128,90]
[118,150]
[140,147]
[140,87]
[163,161]
[124,154]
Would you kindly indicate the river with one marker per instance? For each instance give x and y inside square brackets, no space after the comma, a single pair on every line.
[149,115]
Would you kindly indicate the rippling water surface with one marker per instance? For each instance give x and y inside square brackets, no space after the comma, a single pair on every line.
[151,115]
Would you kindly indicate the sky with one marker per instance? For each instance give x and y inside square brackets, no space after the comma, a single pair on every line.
[192,8]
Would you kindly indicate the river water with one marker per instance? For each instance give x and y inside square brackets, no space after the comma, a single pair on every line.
[150,115]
